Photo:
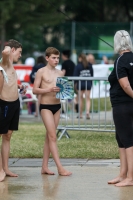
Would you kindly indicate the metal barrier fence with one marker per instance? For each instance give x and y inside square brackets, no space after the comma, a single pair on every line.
[100,109]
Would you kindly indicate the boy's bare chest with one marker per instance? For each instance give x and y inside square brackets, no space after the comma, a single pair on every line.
[11,74]
[50,79]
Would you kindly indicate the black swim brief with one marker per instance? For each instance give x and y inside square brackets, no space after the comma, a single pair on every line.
[52,107]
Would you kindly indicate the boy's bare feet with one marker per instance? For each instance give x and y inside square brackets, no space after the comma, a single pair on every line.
[116,180]
[9,173]
[64,172]
[47,171]
[2,175]
[125,182]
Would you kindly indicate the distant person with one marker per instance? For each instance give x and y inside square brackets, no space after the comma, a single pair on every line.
[67,65]
[41,62]
[104,60]
[90,58]
[45,85]
[84,69]
[121,96]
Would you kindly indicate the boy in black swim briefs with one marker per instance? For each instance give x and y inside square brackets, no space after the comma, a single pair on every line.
[45,85]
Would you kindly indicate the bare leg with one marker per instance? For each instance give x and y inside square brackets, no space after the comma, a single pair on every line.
[61,170]
[123,167]
[46,154]
[76,103]
[81,102]
[5,151]
[70,105]
[2,173]
[128,181]
[50,122]
[88,103]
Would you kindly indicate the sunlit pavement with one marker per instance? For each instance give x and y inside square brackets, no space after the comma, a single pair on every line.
[88,181]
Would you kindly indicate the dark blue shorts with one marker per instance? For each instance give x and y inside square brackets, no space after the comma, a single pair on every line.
[9,115]
[84,85]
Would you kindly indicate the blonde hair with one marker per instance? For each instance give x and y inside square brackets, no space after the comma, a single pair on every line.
[122,41]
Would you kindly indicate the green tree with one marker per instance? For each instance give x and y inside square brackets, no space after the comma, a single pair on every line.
[40,23]
[6,8]
[100,10]
[24,20]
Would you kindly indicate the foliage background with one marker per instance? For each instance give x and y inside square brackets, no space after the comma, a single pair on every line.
[38,24]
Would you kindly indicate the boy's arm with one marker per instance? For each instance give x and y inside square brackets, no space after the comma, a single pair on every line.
[5,55]
[37,83]
[1,81]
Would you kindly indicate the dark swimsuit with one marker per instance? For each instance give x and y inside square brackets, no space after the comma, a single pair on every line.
[52,107]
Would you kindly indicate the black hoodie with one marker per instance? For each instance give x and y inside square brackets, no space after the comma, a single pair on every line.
[34,71]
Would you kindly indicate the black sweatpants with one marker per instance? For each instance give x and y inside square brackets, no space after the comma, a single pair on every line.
[123,120]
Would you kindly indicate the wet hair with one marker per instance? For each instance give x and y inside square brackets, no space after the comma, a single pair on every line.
[66,53]
[13,43]
[122,41]
[51,50]
[41,59]
[83,60]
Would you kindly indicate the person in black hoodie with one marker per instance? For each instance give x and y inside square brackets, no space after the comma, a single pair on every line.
[67,65]
[67,69]
[41,62]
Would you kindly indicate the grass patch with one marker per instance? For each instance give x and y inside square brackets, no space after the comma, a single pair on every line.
[100,104]
[29,140]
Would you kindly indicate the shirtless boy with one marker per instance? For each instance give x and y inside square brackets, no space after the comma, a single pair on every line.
[2,173]
[45,85]
[9,103]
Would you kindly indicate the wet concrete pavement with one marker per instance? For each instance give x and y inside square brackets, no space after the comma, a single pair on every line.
[88,181]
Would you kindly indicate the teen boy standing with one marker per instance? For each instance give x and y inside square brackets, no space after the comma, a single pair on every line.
[9,103]
[45,84]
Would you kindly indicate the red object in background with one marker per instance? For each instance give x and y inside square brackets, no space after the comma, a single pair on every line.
[19,82]
[27,78]
[23,67]
[26,69]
